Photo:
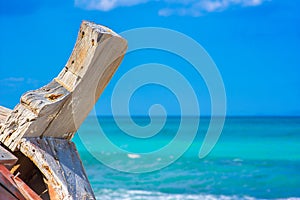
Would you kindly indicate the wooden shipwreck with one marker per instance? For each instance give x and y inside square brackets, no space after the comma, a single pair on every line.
[37,158]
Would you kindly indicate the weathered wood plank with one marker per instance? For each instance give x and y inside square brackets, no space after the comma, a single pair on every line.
[4,194]
[58,109]
[44,121]
[4,113]
[7,158]
[15,186]
[34,114]
[59,161]
[27,171]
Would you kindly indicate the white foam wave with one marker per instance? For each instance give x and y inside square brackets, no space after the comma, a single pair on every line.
[108,194]
[133,156]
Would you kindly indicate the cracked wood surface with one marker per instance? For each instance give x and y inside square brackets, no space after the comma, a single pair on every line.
[44,121]
[4,113]
[59,161]
[58,109]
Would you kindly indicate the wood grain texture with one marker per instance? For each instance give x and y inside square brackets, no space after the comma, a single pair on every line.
[42,124]
[59,108]
[6,158]
[59,162]
[17,189]
[4,113]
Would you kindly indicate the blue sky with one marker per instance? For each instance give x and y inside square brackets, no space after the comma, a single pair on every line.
[254,43]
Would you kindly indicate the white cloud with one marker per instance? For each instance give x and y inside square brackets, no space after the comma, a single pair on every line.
[14,79]
[198,8]
[106,5]
[173,7]
[11,81]
[179,11]
[18,81]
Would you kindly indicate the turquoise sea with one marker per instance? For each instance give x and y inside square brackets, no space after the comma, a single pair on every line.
[255,158]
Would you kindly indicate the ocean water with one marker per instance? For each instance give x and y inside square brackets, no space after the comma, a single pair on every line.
[255,158]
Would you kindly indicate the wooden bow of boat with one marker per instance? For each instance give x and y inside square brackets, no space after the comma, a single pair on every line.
[38,130]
